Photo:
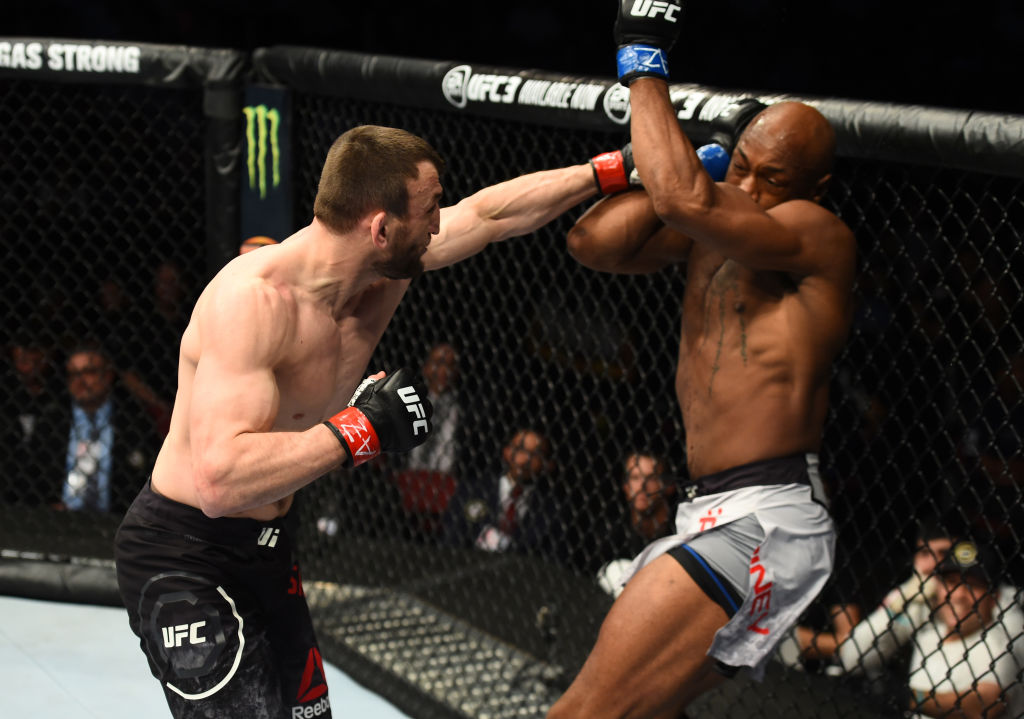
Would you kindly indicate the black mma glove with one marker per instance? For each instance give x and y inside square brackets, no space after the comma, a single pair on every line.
[645,30]
[386,415]
[730,123]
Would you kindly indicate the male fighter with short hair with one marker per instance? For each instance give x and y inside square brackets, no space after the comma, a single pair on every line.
[277,344]
[766,308]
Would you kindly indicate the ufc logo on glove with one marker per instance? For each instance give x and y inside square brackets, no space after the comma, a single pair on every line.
[377,417]
[413,405]
[653,8]
[644,32]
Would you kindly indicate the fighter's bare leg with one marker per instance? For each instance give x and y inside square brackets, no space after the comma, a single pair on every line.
[650,660]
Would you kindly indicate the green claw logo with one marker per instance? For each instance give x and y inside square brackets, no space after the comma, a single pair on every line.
[262,127]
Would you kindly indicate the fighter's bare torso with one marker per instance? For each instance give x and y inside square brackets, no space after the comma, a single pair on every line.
[325,345]
[754,357]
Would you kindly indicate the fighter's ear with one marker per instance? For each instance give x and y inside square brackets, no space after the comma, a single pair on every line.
[379,228]
[821,186]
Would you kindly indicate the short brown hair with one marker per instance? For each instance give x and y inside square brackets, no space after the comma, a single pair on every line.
[367,168]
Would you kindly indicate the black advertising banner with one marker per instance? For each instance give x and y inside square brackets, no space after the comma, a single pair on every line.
[266,167]
[66,60]
[977,141]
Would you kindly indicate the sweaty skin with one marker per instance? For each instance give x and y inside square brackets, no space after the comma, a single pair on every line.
[765,310]
[280,338]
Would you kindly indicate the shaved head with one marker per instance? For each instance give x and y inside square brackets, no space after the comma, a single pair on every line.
[799,132]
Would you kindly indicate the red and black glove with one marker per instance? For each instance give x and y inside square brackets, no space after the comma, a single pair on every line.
[614,171]
[386,415]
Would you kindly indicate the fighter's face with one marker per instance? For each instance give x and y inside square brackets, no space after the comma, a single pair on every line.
[409,236]
[764,171]
[776,158]
[403,255]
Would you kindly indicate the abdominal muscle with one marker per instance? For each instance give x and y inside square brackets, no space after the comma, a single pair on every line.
[736,412]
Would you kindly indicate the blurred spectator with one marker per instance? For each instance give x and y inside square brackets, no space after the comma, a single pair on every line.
[31,392]
[990,298]
[441,373]
[812,643]
[254,243]
[649,508]
[118,322]
[158,409]
[872,644]
[427,479]
[965,662]
[104,442]
[962,627]
[995,440]
[29,379]
[164,318]
[992,452]
[887,627]
[517,510]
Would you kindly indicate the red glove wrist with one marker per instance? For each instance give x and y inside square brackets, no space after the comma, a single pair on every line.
[610,172]
[355,432]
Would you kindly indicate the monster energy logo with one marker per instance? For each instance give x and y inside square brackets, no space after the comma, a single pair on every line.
[262,126]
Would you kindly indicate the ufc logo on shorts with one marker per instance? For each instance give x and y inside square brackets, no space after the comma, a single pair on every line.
[268,537]
[413,406]
[174,635]
[653,8]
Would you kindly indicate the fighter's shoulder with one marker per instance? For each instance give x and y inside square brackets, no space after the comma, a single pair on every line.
[819,225]
[235,294]
[810,212]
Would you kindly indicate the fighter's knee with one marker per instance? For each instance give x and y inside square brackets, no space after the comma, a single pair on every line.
[589,703]
[560,710]
[588,251]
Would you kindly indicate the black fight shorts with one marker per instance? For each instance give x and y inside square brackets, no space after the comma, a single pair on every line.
[220,612]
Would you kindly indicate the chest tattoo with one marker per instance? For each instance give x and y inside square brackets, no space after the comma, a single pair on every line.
[724,286]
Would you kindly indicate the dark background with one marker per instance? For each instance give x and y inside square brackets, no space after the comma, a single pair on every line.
[949,53]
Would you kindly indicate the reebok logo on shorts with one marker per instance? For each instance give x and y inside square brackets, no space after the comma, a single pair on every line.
[321,707]
[312,688]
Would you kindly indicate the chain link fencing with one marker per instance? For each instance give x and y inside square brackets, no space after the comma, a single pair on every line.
[105,225]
